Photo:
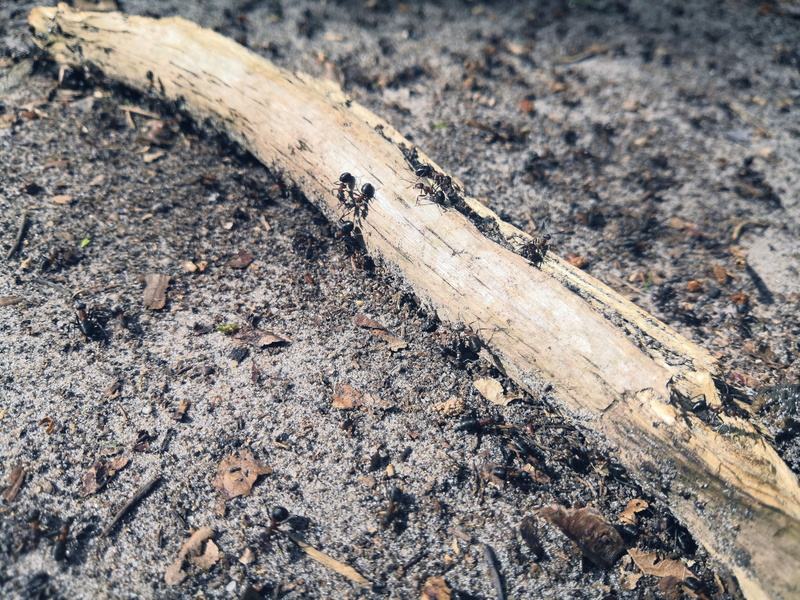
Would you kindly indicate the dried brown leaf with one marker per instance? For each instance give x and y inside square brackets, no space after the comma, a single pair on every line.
[628,515]
[628,581]
[209,558]
[191,548]
[346,397]
[650,564]
[599,541]
[15,479]
[258,337]
[155,292]
[492,390]
[237,474]
[435,588]
[241,260]
[363,320]
[99,473]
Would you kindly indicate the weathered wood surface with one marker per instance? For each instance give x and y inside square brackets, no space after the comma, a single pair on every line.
[554,322]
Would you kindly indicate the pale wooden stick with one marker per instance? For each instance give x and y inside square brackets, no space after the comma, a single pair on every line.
[733,492]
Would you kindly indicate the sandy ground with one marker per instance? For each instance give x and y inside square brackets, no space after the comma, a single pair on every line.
[658,143]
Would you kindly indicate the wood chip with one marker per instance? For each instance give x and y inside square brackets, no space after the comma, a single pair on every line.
[191,548]
[237,474]
[15,478]
[155,292]
[331,563]
[61,199]
[9,300]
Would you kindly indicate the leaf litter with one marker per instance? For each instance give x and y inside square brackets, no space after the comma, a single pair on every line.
[237,474]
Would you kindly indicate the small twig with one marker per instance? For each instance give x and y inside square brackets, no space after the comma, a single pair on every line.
[140,493]
[23,222]
[494,571]
[139,111]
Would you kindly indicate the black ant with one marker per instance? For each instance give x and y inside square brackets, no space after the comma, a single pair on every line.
[88,324]
[345,182]
[345,228]
[277,516]
[361,199]
[536,248]
[394,496]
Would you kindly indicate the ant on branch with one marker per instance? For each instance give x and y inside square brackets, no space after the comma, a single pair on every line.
[535,249]
[357,201]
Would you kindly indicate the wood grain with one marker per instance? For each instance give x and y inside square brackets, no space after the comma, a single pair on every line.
[550,322]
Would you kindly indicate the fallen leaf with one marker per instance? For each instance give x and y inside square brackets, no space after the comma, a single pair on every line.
[237,474]
[346,397]
[590,530]
[61,199]
[435,588]
[99,473]
[363,320]
[241,260]
[492,390]
[258,337]
[209,558]
[9,300]
[155,291]
[628,581]
[649,563]
[331,563]
[628,515]
[191,548]
[15,479]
